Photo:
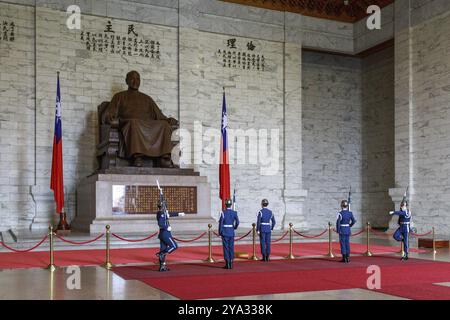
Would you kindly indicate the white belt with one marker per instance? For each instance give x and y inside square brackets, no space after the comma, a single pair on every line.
[404,222]
[266,223]
[228,226]
[345,225]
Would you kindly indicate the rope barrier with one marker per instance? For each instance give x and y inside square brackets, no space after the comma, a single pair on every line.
[81,242]
[27,250]
[358,233]
[210,232]
[281,238]
[245,235]
[310,237]
[236,239]
[421,235]
[353,234]
[192,240]
[135,240]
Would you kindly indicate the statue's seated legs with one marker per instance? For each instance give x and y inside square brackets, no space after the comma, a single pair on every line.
[165,161]
[140,160]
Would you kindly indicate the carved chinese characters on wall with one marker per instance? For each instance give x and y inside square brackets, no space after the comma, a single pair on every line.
[239,54]
[130,44]
[7,31]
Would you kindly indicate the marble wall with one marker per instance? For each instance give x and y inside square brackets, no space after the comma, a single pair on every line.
[254,101]
[186,82]
[378,170]
[17,116]
[430,124]
[333,113]
[87,78]
[332,140]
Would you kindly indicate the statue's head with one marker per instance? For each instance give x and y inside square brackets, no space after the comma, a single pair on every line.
[133,80]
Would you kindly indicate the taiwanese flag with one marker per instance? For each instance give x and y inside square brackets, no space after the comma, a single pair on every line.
[224,167]
[57,181]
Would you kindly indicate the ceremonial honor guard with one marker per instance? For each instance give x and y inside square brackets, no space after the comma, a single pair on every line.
[166,241]
[264,226]
[228,222]
[345,221]
[404,220]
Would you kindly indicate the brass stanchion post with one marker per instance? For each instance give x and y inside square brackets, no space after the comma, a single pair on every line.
[291,240]
[254,257]
[434,242]
[330,241]
[210,257]
[108,265]
[368,253]
[51,266]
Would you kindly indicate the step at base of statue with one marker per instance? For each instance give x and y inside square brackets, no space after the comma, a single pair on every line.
[148,171]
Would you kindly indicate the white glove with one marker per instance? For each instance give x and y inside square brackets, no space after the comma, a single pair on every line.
[169,228]
[391,212]
[181,214]
[258,233]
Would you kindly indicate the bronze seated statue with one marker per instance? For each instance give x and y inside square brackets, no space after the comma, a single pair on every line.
[133,130]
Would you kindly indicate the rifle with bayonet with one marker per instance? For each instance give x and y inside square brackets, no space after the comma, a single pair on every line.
[163,202]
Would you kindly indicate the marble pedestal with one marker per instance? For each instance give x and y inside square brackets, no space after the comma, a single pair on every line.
[94,201]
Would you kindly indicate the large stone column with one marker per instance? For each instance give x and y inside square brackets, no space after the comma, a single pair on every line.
[403,106]
[294,195]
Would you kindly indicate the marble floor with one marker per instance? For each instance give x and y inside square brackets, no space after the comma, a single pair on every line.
[97,283]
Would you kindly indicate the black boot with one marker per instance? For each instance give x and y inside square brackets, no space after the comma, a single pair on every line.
[405,257]
[267,258]
[231,264]
[227,265]
[162,263]
[347,258]
[343,258]
[263,258]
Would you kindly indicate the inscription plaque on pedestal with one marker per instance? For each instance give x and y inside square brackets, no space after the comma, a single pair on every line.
[132,199]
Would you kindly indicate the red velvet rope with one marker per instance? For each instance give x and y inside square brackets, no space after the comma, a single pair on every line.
[245,235]
[81,242]
[135,240]
[192,240]
[358,233]
[354,234]
[236,239]
[282,237]
[310,237]
[27,250]
[421,235]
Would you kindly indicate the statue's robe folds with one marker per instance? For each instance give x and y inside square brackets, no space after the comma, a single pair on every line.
[144,128]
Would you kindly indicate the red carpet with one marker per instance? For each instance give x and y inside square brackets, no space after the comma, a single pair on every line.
[412,279]
[183,254]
